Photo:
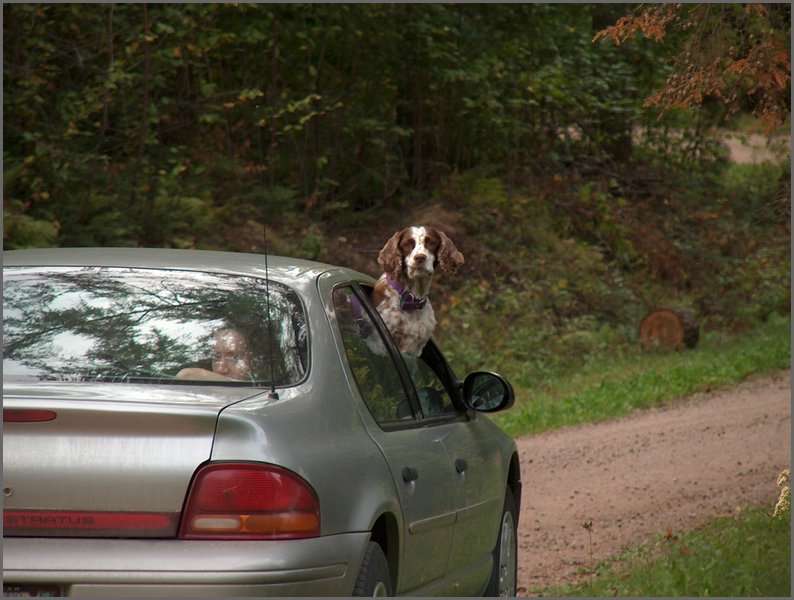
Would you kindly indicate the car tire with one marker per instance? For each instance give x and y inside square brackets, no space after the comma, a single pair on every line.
[505,556]
[373,577]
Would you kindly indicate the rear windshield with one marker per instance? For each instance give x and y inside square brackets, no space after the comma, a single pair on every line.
[150,325]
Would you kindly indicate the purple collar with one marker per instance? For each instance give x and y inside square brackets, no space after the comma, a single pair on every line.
[407,300]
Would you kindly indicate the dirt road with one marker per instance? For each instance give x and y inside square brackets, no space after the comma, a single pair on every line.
[665,469]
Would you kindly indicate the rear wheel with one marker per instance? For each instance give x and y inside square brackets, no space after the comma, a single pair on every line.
[373,577]
[505,555]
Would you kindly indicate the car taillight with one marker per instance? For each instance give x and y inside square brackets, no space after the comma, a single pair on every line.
[27,415]
[249,501]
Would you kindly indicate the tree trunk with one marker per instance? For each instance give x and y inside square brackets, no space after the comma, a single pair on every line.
[669,328]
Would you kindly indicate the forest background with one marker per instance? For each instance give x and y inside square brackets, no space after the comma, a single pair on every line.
[574,152]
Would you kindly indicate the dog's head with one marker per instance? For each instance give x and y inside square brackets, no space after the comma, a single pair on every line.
[418,252]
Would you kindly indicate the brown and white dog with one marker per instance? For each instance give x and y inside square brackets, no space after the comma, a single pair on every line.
[409,259]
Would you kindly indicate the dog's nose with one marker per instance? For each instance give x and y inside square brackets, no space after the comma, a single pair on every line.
[420,257]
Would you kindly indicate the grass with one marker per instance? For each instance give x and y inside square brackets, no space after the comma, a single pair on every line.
[616,383]
[749,555]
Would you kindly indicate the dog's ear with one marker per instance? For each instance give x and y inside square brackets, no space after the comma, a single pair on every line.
[390,258]
[449,258]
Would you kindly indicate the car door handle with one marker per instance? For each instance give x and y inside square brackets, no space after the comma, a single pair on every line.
[410,474]
[461,465]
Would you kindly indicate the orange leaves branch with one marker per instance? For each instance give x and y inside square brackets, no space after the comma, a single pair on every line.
[730,53]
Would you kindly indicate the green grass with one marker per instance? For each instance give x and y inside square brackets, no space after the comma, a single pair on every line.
[616,383]
[749,555]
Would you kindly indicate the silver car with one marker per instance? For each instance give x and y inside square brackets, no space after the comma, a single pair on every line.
[189,423]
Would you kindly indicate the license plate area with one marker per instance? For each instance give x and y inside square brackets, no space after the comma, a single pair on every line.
[30,591]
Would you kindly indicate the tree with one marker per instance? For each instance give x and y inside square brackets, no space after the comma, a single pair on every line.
[156,124]
[738,54]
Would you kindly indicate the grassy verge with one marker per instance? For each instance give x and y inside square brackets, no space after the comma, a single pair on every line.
[614,384]
[749,555]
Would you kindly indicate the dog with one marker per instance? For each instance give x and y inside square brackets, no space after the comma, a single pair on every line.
[409,260]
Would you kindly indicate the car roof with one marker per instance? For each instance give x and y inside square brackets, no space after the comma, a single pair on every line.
[279,268]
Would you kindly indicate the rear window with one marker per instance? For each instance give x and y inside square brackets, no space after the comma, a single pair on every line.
[150,325]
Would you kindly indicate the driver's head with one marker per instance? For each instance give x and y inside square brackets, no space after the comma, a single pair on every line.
[231,354]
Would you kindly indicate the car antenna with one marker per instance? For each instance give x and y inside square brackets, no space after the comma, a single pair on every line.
[273,394]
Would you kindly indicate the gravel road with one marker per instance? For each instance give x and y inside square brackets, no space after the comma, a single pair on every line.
[666,469]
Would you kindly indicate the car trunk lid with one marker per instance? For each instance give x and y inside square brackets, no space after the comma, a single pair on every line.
[105,459]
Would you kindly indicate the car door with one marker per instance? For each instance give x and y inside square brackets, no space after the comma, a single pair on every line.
[422,472]
[478,468]
[479,501]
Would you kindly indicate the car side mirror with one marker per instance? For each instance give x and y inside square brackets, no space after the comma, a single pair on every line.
[487,392]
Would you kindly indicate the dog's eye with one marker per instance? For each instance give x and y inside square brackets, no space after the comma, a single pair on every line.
[407,245]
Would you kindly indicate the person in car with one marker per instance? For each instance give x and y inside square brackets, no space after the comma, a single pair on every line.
[231,358]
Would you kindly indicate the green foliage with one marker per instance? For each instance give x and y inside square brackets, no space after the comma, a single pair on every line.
[345,107]
[621,378]
[749,555]
[748,189]
[743,243]
[109,108]
[24,231]
[574,266]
